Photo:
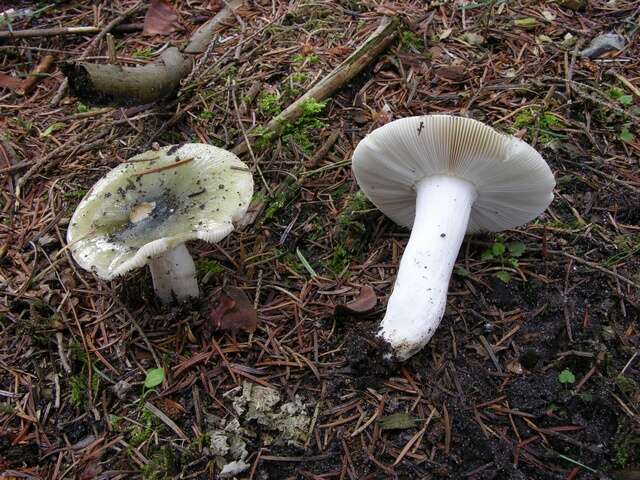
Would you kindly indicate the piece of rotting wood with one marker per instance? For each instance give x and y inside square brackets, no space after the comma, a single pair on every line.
[101,84]
[377,42]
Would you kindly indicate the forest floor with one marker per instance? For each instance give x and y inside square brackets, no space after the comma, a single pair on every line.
[534,372]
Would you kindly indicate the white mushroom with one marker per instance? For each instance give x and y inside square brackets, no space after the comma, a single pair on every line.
[144,210]
[443,176]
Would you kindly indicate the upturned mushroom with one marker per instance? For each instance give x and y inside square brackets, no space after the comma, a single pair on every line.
[143,211]
[443,176]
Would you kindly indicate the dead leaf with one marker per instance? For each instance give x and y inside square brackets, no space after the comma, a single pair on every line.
[514,367]
[161,18]
[452,73]
[398,421]
[7,81]
[234,312]
[92,469]
[307,49]
[170,408]
[364,303]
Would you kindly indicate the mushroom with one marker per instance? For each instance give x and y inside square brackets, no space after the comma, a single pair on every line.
[443,176]
[144,210]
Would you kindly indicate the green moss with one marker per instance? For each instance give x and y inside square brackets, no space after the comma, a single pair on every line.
[75,194]
[78,390]
[299,77]
[206,265]
[626,385]
[280,199]
[143,53]
[410,41]
[160,465]
[543,122]
[263,137]
[269,104]
[309,59]
[351,224]
[339,260]
[626,446]
[305,128]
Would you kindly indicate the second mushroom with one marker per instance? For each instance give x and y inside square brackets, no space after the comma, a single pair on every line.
[443,176]
[143,211]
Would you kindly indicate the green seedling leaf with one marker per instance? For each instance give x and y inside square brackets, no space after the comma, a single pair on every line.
[626,100]
[626,136]
[486,255]
[307,266]
[52,128]
[566,376]
[516,249]
[462,272]
[155,376]
[398,421]
[498,249]
[503,276]
[526,23]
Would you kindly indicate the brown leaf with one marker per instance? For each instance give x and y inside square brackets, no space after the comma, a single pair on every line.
[170,408]
[161,18]
[234,311]
[91,470]
[452,73]
[7,81]
[365,302]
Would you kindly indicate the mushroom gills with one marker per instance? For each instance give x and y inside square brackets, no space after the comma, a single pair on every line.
[174,274]
[417,303]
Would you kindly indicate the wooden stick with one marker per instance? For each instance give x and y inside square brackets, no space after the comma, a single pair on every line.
[354,64]
[54,32]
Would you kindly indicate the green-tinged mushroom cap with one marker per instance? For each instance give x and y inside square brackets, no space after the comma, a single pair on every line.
[155,202]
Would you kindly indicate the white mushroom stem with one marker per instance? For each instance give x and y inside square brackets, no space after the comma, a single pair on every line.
[174,274]
[419,297]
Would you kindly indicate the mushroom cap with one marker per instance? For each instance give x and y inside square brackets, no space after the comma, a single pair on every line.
[141,209]
[513,182]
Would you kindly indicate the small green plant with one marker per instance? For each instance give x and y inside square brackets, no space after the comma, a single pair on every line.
[155,376]
[206,266]
[302,130]
[339,260]
[143,53]
[504,255]
[544,122]
[299,77]
[263,137]
[269,104]
[621,96]
[75,194]
[205,115]
[410,41]
[626,136]
[78,390]
[81,107]
[279,200]
[309,59]
[566,376]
